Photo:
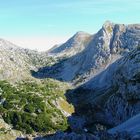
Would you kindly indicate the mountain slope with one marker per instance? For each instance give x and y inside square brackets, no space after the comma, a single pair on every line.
[26,103]
[111,42]
[16,62]
[111,97]
[74,45]
[132,126]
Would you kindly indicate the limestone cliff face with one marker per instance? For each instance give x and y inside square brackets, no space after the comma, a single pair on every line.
[111,97]
[111,42]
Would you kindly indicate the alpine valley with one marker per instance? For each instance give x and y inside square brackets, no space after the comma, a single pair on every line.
[85,89]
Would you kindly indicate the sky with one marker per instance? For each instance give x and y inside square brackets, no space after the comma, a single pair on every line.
[40,24]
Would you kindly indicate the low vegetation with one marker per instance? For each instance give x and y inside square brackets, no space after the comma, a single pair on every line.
[29,107]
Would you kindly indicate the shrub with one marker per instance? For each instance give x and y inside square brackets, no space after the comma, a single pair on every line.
[26,109]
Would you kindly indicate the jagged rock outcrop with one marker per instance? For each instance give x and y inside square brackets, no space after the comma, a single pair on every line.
[112,97]
[110,43]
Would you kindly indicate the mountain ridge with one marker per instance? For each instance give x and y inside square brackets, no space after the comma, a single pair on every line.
[72,46]
[104,70]
[111,42]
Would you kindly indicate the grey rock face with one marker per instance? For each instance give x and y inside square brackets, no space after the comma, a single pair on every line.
[16,62]
[74,45]
[112,97]
[110,43]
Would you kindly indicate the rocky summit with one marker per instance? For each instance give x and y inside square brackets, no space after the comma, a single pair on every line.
[91,53]
[85,89]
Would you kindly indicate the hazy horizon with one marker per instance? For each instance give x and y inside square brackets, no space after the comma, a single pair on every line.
[40,24]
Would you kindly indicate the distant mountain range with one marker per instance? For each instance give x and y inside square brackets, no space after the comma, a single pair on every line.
[103,73]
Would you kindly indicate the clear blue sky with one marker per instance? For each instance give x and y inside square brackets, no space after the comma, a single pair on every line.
[41,23]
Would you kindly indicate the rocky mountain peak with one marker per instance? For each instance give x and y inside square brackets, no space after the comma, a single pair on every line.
[87,55]
[72,46]
[79,38]
[108,25]
[80,34]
